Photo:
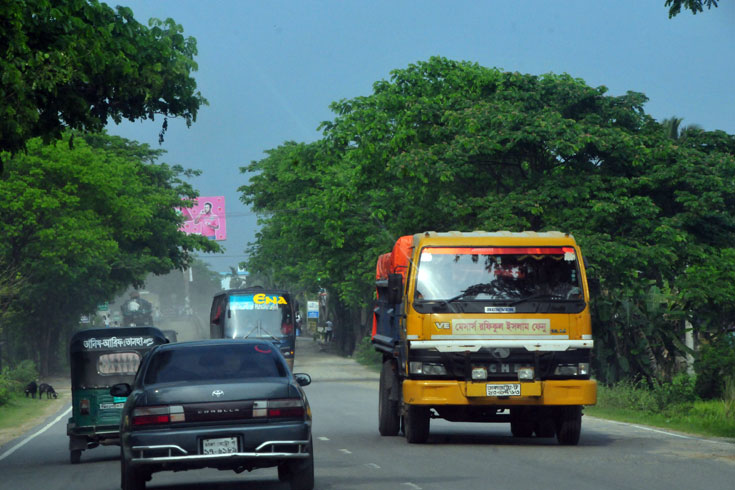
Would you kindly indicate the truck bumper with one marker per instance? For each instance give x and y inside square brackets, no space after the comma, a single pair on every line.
[539,393]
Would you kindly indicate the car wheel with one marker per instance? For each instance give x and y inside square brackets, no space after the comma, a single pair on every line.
[388,418]
[416,423]
[130,477]
[301,474]
[75,456]
[569,425]
[284,472]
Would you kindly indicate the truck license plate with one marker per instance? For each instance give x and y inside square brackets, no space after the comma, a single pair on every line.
[224,445]
[513,389]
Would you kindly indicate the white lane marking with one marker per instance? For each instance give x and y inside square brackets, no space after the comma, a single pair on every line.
[372,465]
[659,431]
[322,438]
[31,437]
[346,451]
[412,485]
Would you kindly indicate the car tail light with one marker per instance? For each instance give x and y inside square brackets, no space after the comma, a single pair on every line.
[84,406]
[289,407]
[143,416]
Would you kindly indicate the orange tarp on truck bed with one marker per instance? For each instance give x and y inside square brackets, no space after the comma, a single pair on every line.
[385,266]
[402,255]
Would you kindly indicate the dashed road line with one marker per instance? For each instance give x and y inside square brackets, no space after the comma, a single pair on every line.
[346,451]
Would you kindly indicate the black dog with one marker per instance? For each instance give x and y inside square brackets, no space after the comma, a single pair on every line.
[48,389]
[31,389]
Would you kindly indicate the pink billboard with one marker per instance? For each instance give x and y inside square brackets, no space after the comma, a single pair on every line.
[206,217]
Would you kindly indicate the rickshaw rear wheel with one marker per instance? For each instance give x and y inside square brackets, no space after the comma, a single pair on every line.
[75,456]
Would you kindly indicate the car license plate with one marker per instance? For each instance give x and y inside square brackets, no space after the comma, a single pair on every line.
[512,389]
[224,445]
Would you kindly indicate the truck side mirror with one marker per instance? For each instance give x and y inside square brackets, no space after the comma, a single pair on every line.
[395,288]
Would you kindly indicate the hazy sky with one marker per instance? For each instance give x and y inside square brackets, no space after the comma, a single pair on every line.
[270,68]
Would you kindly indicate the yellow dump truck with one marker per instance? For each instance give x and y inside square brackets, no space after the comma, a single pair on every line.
[484,327]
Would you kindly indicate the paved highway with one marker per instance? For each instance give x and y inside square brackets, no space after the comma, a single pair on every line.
[351,455]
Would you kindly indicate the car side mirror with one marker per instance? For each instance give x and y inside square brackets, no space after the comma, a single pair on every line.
[395,288]
[302,379]
[121,390]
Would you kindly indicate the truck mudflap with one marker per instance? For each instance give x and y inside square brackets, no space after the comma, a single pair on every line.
[538,393]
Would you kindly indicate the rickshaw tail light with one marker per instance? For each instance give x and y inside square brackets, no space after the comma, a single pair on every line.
[158,415]
[84,406]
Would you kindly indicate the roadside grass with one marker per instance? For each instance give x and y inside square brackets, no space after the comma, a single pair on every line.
[366,355]
[665,407]
[20,414]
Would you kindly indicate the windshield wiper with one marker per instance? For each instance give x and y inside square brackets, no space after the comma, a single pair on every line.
[555,297]
[260,332]
[474,290]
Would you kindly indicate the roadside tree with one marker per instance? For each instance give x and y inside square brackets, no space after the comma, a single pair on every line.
[446,145]
[81,225]
[78,63]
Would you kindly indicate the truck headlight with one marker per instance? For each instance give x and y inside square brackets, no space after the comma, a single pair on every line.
[479,372]
[426,368]
[525,374]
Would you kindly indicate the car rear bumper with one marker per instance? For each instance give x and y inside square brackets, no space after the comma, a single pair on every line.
[278,450]
[182,447]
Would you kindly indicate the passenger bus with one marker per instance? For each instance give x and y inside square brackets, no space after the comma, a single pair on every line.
[255,313]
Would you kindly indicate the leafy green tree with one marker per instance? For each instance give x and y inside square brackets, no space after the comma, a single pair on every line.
[693,5]
[446,145]
[77,63]
[80,225]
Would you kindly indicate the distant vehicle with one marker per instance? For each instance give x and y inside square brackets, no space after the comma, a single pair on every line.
[137,312]
[255,313]
[224,404]
[100,358]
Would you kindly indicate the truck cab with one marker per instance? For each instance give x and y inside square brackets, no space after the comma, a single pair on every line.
[484,327]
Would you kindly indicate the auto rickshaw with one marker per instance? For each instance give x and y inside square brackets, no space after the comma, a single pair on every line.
[100,358]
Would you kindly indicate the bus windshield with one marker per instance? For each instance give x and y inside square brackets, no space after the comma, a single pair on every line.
[258,316]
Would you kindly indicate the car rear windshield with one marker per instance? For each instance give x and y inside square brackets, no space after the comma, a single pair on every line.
[215,362]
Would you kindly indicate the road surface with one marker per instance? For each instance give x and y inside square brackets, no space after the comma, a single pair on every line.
[351,455]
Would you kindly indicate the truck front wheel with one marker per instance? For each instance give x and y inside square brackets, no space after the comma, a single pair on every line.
[416,422]
[388,417]
[569,425]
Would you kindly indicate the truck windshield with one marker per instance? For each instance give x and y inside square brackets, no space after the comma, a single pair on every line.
[498,273]
[258,316]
